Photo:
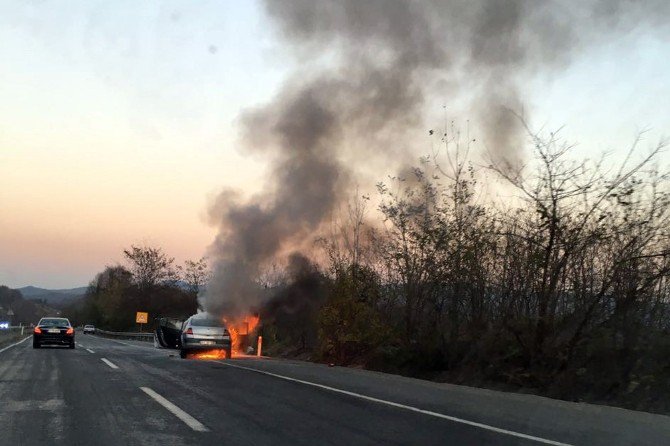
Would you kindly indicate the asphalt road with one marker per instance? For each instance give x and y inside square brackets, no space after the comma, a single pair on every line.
[110,393]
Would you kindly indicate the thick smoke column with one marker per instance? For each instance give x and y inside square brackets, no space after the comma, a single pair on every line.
[366,68]
[306,183]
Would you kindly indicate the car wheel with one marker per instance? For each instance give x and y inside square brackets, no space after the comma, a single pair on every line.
[183,354]
[229,353]
[72,345]
[36,344]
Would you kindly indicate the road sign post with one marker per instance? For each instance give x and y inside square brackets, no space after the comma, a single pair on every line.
[141,318]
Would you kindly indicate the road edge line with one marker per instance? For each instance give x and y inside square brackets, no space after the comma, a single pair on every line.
[404,406]
[15,344]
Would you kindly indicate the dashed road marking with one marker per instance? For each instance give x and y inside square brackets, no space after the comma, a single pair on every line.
[109,363]
[89,350]
[176,411]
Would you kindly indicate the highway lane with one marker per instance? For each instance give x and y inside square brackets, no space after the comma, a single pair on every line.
[242,407]
[61,396]
[142,395]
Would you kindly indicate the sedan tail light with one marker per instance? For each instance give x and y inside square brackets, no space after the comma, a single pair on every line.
[70,331]
[37,330]
[189,331]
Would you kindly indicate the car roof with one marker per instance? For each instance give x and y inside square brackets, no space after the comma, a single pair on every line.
[205,317]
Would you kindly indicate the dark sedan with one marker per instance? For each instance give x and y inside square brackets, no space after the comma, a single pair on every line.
[54,331]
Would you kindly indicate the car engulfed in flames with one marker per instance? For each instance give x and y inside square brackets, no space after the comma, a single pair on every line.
[177,334]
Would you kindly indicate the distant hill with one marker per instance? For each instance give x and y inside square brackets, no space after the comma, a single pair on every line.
[56,298]
[15,309]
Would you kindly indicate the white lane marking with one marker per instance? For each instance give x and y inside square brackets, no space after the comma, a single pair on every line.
[109,363]
[15,344]
[176,411]
[89,350]
[403,406]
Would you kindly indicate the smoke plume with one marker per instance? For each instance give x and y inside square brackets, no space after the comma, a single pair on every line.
[366,70]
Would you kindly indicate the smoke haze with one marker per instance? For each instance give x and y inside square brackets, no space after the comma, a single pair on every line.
[366,69]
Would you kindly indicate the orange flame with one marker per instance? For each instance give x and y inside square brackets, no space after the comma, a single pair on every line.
[241,329]
[208,354]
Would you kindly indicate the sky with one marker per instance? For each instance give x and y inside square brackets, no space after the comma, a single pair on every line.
[118,122]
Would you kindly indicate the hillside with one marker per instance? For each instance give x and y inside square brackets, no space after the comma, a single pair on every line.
[56,298]
[24,310]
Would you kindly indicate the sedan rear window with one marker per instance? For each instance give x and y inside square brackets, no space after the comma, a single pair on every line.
[55,322]
[206,323]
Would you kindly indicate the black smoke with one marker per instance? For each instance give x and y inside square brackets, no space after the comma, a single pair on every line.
[365,71]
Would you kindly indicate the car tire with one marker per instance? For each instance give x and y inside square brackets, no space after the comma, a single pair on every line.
[183,354]
[36,344]
[72,345]
[229,353]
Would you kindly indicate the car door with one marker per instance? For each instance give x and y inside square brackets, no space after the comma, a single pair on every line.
[168,332]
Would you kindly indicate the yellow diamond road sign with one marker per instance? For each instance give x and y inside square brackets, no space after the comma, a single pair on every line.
[141,317]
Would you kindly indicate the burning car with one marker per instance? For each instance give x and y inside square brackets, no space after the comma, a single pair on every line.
[201,335]
[204,333]
[231,337]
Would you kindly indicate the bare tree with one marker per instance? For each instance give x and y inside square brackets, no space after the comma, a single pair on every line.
[195,273]
[575,205]
[150,266]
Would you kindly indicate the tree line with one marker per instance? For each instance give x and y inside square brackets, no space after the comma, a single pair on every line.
[551,277]
[560,288]
[148,281]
